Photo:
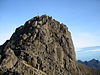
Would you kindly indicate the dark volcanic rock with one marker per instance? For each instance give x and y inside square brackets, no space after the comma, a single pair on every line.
[42,46]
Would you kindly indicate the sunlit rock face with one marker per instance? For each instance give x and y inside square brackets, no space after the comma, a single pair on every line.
[42,46]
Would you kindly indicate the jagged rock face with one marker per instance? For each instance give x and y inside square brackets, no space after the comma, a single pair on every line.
[42,46]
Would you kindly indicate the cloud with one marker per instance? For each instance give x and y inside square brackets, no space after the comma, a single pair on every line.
[96,50]
[85,40]
[89,49]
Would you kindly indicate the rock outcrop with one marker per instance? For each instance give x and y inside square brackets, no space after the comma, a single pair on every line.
[42,46]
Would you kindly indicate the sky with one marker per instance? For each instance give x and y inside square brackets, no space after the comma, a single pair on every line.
[81,16]
[88,53]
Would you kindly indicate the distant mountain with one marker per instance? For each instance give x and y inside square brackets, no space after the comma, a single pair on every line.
[92,63]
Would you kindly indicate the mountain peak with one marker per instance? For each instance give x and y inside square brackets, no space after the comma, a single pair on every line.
[41,46]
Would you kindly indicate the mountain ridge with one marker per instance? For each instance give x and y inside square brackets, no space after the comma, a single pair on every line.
[42,46]
[91,63]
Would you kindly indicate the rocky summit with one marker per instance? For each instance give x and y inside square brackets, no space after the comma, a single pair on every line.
[42,46]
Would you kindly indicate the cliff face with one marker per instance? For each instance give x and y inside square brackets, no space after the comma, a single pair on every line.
[42,46]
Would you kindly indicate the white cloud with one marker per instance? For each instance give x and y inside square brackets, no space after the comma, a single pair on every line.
[89,49]
[85,40]
[95,50]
